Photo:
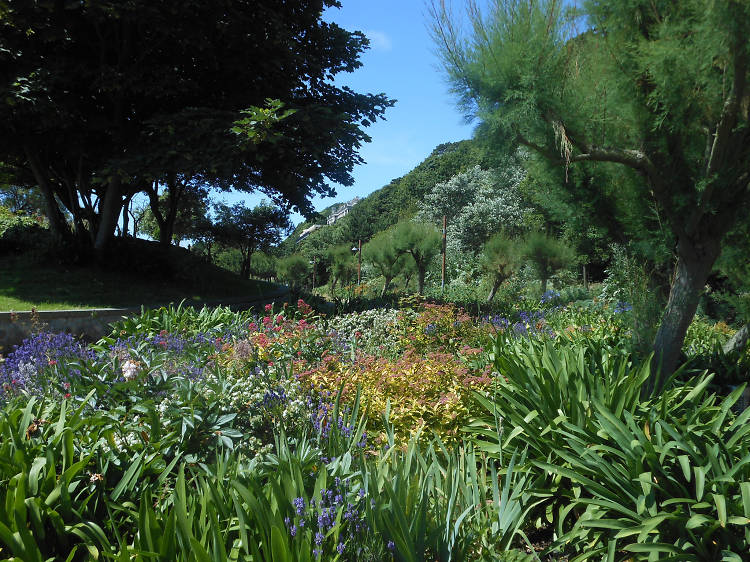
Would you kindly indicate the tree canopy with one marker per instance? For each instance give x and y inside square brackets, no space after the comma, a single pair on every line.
[249,229]
[100,99]
[659,87]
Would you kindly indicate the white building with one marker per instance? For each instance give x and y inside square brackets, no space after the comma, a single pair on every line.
[342,210]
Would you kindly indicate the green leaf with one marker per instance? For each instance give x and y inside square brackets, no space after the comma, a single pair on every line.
[279,549]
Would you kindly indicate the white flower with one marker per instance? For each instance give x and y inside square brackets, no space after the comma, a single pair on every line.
[130,369]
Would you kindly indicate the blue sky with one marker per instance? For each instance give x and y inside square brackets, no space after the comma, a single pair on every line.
[400,63]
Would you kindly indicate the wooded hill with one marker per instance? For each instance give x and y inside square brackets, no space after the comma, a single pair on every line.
[391,203]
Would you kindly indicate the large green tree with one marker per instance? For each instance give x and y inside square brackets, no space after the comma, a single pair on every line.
[419,240]
[249,229]
[100,99]
[657,86]
[175,215]
[385,259]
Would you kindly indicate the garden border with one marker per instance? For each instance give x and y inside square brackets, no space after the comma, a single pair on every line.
[92,324]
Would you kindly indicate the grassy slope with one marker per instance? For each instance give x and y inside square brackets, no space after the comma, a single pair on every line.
[26,282]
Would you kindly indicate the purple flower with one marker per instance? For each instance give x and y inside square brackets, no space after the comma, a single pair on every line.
[340,548]
[299,504]
[390,546]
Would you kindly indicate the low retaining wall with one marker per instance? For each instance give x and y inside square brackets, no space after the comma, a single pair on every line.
[93,324]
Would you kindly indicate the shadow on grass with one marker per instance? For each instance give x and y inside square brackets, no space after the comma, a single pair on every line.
[137,272]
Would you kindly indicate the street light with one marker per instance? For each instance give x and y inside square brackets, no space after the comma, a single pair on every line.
[358,249]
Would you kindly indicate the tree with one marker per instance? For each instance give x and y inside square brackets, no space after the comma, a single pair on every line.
[501,257]
[477,203]
[175,215]
[659,87]
[293,269]
[384,257]
[419,240]
[343,267]
[249,230]
[263,265]
[102,99]
[547,255]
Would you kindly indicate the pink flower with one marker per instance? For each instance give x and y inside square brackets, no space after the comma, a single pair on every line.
[279,318]
[269,307]
[67,395]
[266,319]
[52,362]
[252,327]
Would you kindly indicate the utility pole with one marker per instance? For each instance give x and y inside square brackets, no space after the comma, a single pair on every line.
[442,277]
[359,263]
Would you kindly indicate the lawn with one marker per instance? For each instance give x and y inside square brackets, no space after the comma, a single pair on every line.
[27,283]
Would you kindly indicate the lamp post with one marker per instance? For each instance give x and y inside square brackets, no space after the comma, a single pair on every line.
[358,249]
[442,276]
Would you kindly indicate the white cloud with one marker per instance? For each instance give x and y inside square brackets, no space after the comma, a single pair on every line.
[379,40]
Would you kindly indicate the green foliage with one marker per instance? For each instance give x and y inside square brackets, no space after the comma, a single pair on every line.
[547,255]
[343,266]
[615,83]
[249,230]
[182,214]
[173,112]
[420,241]
[293,269]
[396,201]
[477,203]
[501,257]
[386,260]
[19,232]
[617,472]
[263,265]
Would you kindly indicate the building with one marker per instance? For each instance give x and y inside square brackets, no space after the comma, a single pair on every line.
[342,210]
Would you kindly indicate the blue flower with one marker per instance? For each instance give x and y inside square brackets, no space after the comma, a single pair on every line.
[623,306]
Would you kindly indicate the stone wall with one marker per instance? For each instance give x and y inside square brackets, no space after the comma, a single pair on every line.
[91,325]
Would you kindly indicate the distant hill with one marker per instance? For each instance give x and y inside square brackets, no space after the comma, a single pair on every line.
[391,203]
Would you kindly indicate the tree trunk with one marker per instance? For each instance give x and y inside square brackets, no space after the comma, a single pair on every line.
[690,279]
[245,267]
[126,216]
[493,291]
[420,279]
[386,285]
[738,341]
[57,225]
[109,214]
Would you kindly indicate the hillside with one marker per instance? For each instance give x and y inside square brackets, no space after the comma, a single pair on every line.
[391,203]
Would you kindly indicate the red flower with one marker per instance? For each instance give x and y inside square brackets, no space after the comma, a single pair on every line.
[67,395]
[269,307]
[52,362]
[252,327]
